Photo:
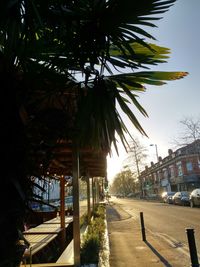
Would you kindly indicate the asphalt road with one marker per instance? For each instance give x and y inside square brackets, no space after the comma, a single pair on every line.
[167,221]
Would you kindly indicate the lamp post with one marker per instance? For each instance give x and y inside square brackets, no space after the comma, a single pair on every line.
[156,150]
[137,166]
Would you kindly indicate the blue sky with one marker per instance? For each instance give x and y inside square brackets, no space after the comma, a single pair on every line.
[166,105]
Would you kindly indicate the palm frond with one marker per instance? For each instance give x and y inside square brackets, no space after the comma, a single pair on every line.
[98,117]
[137,79]
[151,55]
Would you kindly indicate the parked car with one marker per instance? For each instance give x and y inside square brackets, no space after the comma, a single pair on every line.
[181,198]
[69,201]
[195,198]
[119,196]
[167,197]
[36,206]
[131,195]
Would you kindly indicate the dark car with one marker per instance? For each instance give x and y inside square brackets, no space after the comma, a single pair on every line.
[195,198]
[167,197]
[181,198]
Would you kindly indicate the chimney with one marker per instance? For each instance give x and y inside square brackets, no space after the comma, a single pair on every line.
[170,152]
[159,158]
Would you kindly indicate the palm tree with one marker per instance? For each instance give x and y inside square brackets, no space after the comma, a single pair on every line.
[44,49]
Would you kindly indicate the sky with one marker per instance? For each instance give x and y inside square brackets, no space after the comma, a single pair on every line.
[168,104]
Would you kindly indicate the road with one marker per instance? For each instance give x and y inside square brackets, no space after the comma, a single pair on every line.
[167,221]
[83,206]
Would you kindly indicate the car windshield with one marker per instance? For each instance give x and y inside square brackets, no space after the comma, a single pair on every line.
[185,194]
[171,193]
[166,194]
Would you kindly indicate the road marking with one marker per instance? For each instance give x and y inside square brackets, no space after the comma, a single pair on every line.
[180,246]
[133,213]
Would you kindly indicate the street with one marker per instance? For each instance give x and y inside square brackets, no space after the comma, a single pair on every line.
[83,206]
[167,222]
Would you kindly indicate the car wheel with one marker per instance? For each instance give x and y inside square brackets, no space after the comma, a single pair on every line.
[191,204]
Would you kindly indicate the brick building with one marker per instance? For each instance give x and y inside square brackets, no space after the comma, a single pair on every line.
[179,171]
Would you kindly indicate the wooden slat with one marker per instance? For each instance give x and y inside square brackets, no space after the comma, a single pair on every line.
[37,242]
[56,264]
[68,219]
[43,230]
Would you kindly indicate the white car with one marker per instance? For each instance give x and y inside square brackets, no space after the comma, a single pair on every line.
[167,197]
[195,198]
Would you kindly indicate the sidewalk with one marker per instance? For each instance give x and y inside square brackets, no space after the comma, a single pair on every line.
[127,248]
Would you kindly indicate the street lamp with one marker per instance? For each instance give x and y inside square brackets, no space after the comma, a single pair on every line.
[156,150]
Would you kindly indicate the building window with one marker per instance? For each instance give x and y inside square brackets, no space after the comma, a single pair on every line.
[179,152]
[172,172]
[179,168]
[159,175]
[199,163]
[189,166]
[165,173]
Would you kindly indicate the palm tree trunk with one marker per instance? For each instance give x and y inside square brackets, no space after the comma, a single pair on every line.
[12,197]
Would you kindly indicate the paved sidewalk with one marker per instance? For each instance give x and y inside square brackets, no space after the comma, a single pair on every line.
[127,248]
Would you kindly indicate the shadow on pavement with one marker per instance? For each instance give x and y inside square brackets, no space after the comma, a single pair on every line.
[166,263]
[113,214]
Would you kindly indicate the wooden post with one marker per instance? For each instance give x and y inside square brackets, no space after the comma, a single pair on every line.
[97,190]
[76,219]
[93,195]
[142,226]
[88,199]
[102,190]
[192,247]
[62,211]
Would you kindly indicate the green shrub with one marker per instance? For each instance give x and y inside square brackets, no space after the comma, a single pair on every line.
[83,220]
[90,249]
[94,237]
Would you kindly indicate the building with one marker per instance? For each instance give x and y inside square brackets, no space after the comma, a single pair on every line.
[48,188]
[179,171]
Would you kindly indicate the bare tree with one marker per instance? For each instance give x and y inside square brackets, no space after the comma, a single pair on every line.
[190,132]
[136,158]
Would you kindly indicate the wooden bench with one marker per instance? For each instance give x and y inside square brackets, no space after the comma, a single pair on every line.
[66,259]
[37,242]
[43,240]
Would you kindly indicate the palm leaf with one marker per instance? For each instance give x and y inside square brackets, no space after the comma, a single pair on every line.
[151,55]
[97,111]
[150,77]
[86,21]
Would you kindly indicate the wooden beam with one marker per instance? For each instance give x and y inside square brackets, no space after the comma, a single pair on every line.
[62,211]
[76,212]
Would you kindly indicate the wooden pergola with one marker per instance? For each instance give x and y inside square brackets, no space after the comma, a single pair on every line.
[70,160]
[91,161]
